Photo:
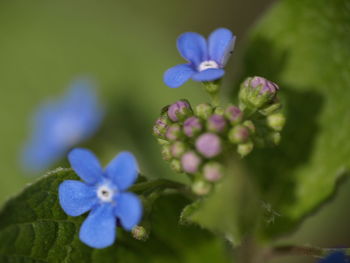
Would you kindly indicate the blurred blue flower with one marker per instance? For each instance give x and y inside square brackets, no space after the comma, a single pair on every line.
[62,124]
[335,257]
[206,58]
[102,192]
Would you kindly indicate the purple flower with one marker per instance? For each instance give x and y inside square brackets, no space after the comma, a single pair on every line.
[192,126]
[190,162]
[179,110]
[335,257]
[206,58]
[62,124]
[209,145]
[103,194]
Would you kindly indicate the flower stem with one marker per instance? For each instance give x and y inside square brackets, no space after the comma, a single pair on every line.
[213,88]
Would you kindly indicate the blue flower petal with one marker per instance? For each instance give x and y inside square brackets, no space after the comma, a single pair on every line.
[335,257]
[221,43]
[86,165]
[178,75]
[193,47]
[76,197]
[208,75]
[128,209]
[123,170]
[99,228]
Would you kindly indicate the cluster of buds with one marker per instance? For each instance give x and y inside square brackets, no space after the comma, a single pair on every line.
[195,141]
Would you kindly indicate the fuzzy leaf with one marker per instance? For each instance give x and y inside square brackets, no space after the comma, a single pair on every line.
[304,47]
[33,228]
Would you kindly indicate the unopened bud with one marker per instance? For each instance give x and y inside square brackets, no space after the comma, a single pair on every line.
[190,162]
[213,171]
[161,126]
[166,154]
[257,92]
[233,114]
[275,137]
[201,187]
[209,145]
[244,149]
[216,123]
[250,125]
[204,110]
[173,132]
[264,85]
[179,110]
[219,110]
[177,149]
[276,121]
[176,165]
[192,126]
[139,233]
[239,134]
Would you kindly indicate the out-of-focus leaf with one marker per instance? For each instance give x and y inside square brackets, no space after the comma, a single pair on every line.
[304,46]
[232,209]
[33,228]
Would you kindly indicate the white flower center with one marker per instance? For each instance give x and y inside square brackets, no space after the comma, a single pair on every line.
[105,193]
[207,65]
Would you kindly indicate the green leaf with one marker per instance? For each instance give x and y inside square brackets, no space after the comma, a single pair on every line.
[231,209]
[33,228]
[304,47]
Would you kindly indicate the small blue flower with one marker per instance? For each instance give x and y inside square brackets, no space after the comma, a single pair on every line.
[102,193]
[335,257]
[62,124]
[206,58]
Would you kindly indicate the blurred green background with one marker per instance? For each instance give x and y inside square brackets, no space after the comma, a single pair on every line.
[126,46]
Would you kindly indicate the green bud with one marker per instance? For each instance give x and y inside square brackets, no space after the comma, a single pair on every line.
[201,188]
[276,121]
[219,110]
[275,137]
[238,134]
[140,233]
[177,149]
[257,93]
[250,125]
[173,132]
[203,110]
[161,126]
[166,154]
[244,149]
[176,165]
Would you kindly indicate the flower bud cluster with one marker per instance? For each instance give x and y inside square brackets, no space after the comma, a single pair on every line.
[193,141]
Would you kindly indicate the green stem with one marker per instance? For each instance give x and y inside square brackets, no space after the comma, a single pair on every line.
[213,88]
[159,186]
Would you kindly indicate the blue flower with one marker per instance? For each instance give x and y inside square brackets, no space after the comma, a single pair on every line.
[103,194]
[206,58]
[62,124]
[335,257]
